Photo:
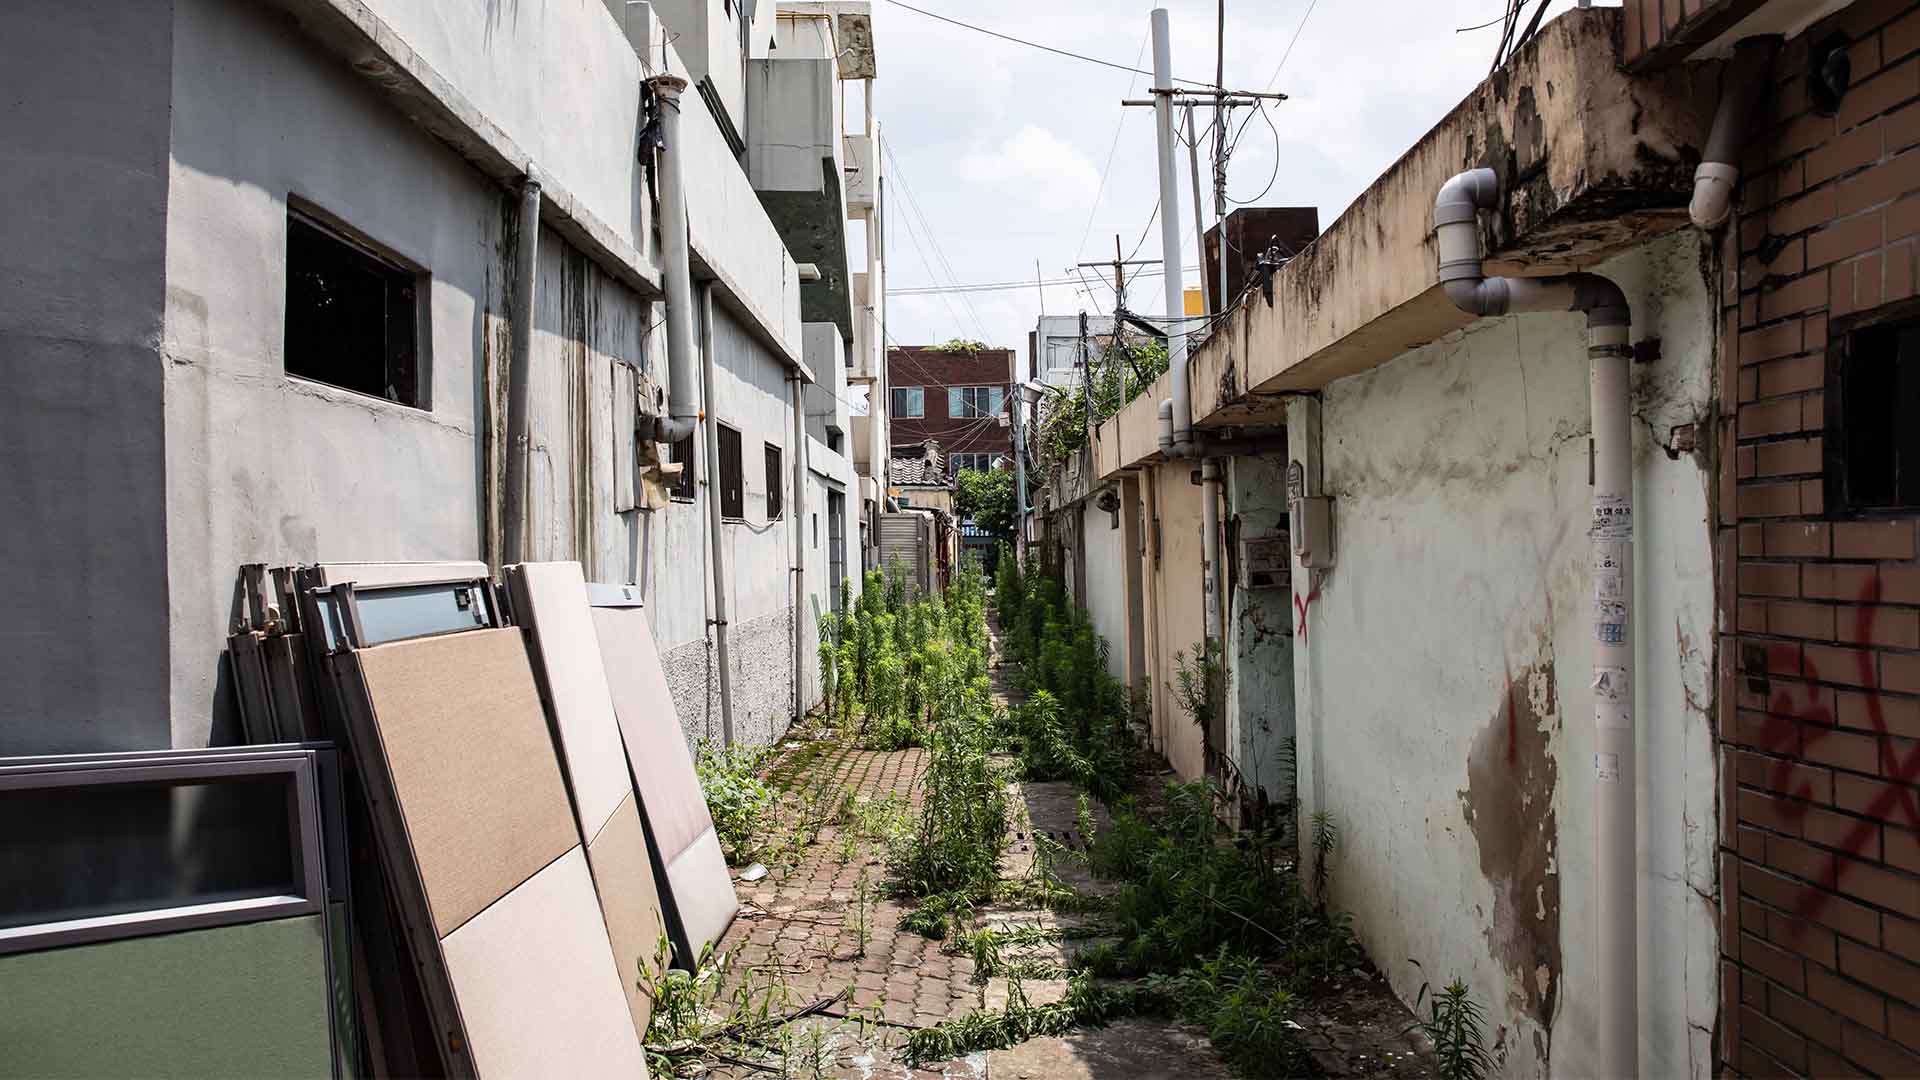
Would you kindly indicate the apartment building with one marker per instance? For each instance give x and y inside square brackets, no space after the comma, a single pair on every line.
[1585,599]
[956,395]
[268,307]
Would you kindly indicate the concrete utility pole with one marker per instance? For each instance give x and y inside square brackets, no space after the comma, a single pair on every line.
[1163,93]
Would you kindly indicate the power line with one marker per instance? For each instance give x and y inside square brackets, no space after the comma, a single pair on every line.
[1108,168]
[1002,286]
[1291,44]
[1037,45]
[913,205]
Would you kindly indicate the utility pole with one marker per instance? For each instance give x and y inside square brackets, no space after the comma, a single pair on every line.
[1220,152]
[1039,288]
[1199,234]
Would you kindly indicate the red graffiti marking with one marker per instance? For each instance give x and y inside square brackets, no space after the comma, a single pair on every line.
[1783,726]
[1300,606]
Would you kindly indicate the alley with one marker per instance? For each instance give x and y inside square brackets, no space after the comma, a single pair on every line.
[828,938]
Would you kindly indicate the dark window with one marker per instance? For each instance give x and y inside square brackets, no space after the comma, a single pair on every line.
[352,316]
[1873,394]
[834,440]
[909,402]
[682,454]
[733,487]
[773,482]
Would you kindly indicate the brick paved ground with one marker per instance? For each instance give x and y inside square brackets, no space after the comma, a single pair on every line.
[802,925]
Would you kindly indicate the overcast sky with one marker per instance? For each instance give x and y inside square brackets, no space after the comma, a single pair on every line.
[1002,148]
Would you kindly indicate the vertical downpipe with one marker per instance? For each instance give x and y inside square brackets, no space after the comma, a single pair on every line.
[798,515]
[1612,543]
[514,524]
[722,654]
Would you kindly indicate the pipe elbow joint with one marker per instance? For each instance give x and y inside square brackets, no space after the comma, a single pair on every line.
[1712,202]
[1604,302]
[1478,295]
[1165,415]
[672,429]
[1463,196]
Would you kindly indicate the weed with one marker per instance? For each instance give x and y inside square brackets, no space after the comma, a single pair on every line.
[1456,1026]
[737,798]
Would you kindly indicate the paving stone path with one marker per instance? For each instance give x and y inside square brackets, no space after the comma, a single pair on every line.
[819,922]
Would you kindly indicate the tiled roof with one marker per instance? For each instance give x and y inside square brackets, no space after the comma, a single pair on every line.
[923,465]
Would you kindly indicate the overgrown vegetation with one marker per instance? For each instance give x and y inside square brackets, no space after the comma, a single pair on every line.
[1074,723]
[722,1013]
[890,662]
[737,798]
[1120,373]
[986,497]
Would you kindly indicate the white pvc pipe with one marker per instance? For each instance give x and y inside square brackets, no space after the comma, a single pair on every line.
[683,408]
[1611,567]
[797,514]
[716,538]
[1170,230]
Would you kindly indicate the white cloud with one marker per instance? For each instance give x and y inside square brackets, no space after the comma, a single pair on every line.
[1037,165]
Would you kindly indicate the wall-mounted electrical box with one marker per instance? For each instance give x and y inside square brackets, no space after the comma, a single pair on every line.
[1266,561]
[1311,521]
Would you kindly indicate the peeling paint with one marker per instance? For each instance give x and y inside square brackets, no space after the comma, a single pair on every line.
[1508,803]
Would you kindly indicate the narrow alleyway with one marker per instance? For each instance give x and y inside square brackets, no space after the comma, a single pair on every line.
[832,949]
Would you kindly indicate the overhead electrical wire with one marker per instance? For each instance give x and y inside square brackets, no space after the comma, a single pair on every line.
[1037,45]
[1290,44]
[1107,169]
[916,211]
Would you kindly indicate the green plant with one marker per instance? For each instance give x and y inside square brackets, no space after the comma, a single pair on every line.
[986,497]
[1455,1025]
[737,798]
[964,346]
[1326,836]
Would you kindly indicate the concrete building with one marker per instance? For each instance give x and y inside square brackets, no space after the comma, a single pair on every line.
[262,309]
[955,396]
[1420,594]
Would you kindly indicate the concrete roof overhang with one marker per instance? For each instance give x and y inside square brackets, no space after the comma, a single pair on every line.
[1592,161]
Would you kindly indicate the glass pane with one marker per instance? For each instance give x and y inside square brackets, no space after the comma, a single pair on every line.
[108,849]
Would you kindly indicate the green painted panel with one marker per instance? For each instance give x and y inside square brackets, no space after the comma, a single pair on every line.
[238,1001]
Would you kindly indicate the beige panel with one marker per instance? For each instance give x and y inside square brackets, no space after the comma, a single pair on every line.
[630,901]
[380,575]
[537,986]
[703,890]
[662,766]
[551,599]
[472,764]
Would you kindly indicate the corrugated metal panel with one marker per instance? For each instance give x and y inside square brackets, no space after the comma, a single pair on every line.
[904,541]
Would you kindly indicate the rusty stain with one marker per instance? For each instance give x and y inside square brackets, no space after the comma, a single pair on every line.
[1508,803]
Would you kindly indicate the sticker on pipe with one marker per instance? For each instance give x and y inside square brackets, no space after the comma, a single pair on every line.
[1612,518]
[1606,768]
[1610,570]
[1610,622]
[1610,685]
[1612,715]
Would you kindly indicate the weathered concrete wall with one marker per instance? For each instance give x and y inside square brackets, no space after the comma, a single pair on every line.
[260,466]
[1178,621]
[1259,645]
[1449,654]
[85,91]
[1103,540]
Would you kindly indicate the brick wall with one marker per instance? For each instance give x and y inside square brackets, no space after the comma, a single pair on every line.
[936,371]
[1820,698]
[1653,31]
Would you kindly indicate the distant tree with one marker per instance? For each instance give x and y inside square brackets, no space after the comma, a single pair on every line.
[986,497]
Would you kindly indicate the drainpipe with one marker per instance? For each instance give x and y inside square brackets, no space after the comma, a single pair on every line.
[1741,87]
[1611,560]
[1211,479]
[714,535]
[520,373]
[683,406]
[798,515]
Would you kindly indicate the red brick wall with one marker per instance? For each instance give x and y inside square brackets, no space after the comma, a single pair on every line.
[935,371]
[1653,31]
[1820,659]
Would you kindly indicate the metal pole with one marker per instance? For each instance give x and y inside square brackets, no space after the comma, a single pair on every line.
[716,543]
[1020,468]
[1170,225]
[513,525]
[1207,296]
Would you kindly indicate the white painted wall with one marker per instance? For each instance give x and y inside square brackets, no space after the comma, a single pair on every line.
[1103,539]
[1460,474]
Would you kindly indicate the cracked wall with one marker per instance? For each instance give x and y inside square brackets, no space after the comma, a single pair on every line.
[1447,667]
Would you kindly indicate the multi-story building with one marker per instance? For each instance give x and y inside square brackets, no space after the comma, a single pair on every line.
[956,396]
[261,308]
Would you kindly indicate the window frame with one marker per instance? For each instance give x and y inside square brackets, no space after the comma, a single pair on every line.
[684,489]
[776,482]
[976,402]
[916,393]
[1839,430]
[733,502]
[390,265]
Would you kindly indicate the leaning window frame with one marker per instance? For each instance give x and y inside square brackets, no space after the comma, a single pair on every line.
[87,770]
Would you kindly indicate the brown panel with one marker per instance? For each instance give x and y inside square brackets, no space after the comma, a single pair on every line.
[472,763]
[630,901]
